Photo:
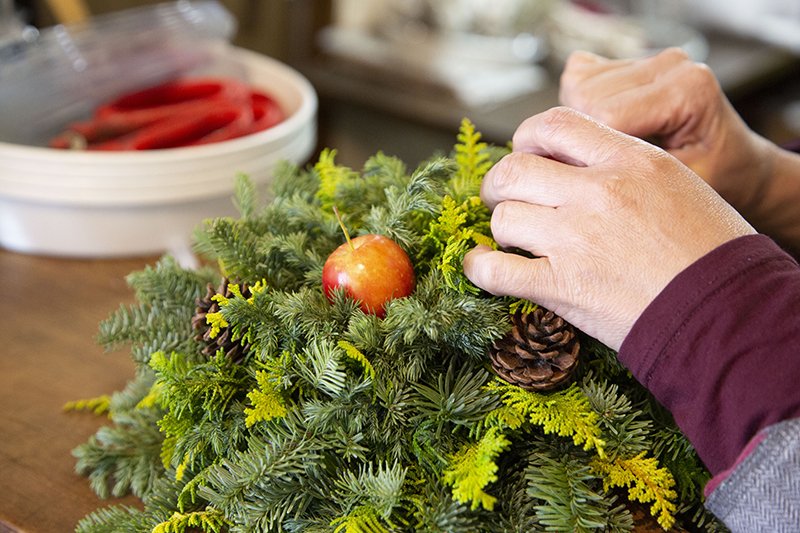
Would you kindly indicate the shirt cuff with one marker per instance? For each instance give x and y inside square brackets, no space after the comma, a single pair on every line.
[718,346]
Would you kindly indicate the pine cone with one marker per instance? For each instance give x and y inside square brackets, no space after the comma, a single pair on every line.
[540,352]
[233,349]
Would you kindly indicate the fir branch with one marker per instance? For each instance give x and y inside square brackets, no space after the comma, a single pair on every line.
[148,328]
[625,431]
[454,400]
[115,519]
[299,212]
[231,242]
[568,491]
[390,417]
[604,362]
[245,196]
[327,416]
[474,467]
[123,457]
[431,451]
[434,510]
[433,318]
[515,509]
[195,389]
[364,331]
[379,184]
[261,487]
[405,212]
[307,313]
[203,442]
[322,369]
[288,180]
[391,169]
[288,258]
[378,487]
[168,285]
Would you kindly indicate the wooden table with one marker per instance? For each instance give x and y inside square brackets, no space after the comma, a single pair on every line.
[48,356]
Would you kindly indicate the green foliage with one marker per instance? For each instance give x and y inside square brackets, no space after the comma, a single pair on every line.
[472,160]
[474,467]
[565,413]
[569,494]
[123,457]
[371,495]
[337,420]
[267,401]
[161,320]
[210,521]
[98,405]
[360,520]
[355,354]
[115,519]
[646,482]
[457,230]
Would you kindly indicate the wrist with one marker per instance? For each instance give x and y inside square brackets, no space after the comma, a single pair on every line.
[777,215]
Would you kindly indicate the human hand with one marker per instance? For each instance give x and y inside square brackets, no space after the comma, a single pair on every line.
[679,104]
[611,220]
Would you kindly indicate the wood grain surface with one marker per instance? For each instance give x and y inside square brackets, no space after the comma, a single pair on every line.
[48,356]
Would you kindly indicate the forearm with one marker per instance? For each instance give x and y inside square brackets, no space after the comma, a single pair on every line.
[776,209]
[718,347]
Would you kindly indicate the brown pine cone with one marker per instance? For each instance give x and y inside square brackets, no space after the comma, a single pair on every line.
[540,353]
[233,349]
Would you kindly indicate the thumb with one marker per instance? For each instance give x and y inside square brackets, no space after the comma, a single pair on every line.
[506,274]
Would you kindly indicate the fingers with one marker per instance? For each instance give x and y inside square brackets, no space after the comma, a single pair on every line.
[530,227]
[507,274]
[644,97]
[568,136]
[616,75]
[530,178]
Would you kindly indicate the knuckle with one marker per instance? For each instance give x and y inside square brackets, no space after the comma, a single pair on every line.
[702,75]
[490,274]
[500,222]
[494,276]
[506,175]
[573,70]
[556,119]
[605,112]
[674,54]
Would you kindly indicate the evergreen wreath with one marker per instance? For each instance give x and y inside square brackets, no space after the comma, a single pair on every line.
[337,420]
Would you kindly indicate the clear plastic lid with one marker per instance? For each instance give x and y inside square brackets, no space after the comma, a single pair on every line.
[65,73]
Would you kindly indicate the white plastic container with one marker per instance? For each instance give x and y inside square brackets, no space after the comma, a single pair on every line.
[103,204]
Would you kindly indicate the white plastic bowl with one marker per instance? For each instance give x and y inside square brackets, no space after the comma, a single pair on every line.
[103,204]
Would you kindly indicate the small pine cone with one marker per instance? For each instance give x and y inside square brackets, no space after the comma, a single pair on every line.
[540,352]
[233,349]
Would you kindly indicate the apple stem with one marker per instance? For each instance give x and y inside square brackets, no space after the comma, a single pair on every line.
[344,230]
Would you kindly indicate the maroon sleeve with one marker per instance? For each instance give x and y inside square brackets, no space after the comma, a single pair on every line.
[720,346]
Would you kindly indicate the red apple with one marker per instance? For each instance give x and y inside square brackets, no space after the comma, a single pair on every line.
[372,269]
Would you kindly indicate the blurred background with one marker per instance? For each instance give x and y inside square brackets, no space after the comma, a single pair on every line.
[398,75]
